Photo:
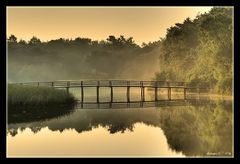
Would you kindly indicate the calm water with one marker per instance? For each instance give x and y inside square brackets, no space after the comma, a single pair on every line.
[171,130]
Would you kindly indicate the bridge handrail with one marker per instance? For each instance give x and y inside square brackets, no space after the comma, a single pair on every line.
[145,83]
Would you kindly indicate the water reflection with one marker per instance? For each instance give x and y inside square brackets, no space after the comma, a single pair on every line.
[30,114]
[201,130]
[192,130]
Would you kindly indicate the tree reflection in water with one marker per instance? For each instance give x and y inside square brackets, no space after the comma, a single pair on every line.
[192,130]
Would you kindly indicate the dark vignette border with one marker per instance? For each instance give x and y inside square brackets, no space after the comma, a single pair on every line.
[234,3]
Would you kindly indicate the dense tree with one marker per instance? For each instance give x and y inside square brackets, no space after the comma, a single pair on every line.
[200,50]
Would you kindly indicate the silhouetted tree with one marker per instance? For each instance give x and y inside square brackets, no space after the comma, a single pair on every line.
[112,40]
[12,39]
[34,41]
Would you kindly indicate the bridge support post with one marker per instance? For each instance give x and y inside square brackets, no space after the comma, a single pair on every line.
[185,93]
[82,94]
[98,83]
[142,91]
[111,91]
[156,91]
[128,91]
[143,94]
[169,93]
[68,84]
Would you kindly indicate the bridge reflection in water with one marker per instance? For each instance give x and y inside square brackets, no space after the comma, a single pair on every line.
[119,105]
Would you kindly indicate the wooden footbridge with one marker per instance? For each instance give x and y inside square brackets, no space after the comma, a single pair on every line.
[154,85]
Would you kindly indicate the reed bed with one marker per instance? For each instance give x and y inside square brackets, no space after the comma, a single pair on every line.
[22,96]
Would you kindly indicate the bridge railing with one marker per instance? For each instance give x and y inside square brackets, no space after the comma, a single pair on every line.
[115,83]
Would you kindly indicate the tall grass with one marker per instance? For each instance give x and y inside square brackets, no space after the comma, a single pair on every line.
[22,96]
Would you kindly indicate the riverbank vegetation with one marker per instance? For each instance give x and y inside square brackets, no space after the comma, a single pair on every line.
[32,96]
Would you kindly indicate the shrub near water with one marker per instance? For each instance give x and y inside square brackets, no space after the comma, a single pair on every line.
[37,96]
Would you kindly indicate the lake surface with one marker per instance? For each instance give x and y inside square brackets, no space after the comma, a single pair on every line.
[177,129]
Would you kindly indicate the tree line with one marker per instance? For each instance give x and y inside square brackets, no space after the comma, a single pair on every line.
[79,58]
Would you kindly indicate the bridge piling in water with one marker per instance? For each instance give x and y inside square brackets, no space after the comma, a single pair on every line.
[169,94]
[142,91]
[185,93]
[98,83]
[156,91]
[82,92]
[111,91]
[67,88]
[169,91]
[128,91]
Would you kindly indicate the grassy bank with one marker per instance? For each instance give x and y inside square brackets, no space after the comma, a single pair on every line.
[32,96]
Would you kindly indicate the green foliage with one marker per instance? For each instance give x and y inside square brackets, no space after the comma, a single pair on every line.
[200,50]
